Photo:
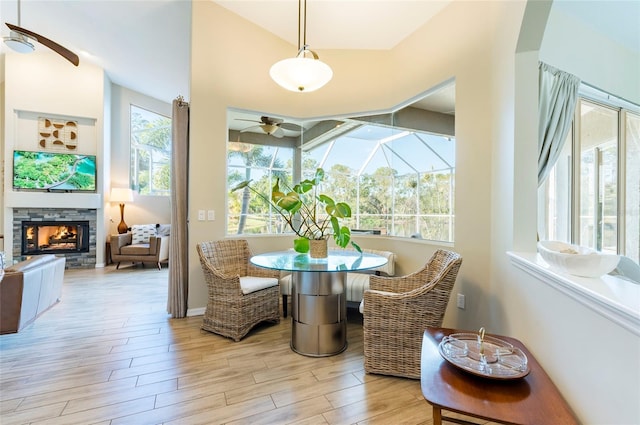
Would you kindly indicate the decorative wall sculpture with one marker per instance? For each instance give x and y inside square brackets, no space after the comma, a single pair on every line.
[56,134]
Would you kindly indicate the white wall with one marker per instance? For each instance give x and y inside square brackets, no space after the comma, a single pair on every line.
[144,209]
[478,57]
[573,47]
[42,83]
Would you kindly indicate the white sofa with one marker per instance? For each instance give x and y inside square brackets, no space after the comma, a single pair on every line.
[28,289]
[357,282]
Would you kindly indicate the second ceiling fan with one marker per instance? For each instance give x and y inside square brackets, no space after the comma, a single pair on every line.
[271,126]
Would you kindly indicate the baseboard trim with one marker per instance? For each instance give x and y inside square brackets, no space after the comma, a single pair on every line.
[195,311]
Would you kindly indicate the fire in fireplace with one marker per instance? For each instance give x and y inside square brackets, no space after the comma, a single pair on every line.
[40,237]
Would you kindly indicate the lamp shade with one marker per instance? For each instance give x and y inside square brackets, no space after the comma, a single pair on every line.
[301,74]
[121,194]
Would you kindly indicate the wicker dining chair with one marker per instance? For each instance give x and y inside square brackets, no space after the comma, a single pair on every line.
[241,295]
[397,310]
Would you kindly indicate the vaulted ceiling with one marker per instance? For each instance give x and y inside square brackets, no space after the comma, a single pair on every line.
[145,45]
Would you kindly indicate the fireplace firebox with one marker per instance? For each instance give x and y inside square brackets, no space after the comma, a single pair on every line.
[51,237]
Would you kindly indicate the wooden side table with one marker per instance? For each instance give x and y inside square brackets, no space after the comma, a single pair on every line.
[532,400]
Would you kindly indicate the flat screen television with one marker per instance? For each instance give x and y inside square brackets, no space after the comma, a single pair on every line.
[51,171]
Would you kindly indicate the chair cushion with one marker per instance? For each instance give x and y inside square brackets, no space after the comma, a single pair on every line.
[137,249]
[357,284]
[250,284]
[163,229]
[141,233]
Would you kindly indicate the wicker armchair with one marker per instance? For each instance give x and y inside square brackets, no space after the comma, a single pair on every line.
[398,309]
[241,295]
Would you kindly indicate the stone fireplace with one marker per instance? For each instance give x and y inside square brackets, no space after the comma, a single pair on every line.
[54,237]
[68,232]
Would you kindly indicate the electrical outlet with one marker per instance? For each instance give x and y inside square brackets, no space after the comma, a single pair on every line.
[200,215]
[460,301]
[211,215]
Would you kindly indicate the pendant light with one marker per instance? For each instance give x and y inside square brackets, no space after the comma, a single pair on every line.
[305,72]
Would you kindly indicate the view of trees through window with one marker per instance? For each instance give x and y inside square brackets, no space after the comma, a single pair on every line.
[398,181]
[150,152]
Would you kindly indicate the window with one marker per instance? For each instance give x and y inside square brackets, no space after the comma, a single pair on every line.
[150,152]
[262,164]
[398,181]
[602,156]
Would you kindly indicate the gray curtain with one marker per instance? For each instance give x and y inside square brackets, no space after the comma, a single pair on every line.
[557,99]
[178,247]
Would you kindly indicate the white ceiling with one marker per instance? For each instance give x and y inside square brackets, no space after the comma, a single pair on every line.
[144,45]
[340,24]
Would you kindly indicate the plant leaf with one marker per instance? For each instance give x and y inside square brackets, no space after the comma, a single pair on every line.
[342,237]
[326,200]
[290,202]
[241,185]
[319,177]
[343,210]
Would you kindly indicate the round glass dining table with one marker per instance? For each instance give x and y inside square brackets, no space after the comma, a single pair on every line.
[318,299]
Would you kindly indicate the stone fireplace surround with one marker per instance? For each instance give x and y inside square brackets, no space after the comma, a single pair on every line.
[74,260]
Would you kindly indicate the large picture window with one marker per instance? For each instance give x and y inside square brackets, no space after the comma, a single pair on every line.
[396,171]
[400,181]
[150,152]
[592,195]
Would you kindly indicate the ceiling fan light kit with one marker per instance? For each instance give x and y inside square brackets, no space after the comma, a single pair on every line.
[18,41]
[301,73]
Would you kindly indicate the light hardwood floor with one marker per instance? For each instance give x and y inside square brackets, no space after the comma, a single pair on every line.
[109,354]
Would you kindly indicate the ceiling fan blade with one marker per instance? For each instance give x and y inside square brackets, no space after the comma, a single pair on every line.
[244,119]
[279,133]
[61,50]
[253,127]
[290,126]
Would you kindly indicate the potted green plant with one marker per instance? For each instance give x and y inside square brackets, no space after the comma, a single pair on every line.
[301,207]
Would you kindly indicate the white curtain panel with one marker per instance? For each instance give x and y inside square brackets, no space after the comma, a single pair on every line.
[557,99]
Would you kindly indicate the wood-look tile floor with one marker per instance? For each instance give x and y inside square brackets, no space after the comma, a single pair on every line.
[108,353]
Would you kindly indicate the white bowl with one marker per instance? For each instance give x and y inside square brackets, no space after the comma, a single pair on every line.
[577,260]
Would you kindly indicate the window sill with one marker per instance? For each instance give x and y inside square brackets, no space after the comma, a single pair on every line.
[612,297]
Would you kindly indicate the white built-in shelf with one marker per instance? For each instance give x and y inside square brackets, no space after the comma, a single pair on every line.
[615,298]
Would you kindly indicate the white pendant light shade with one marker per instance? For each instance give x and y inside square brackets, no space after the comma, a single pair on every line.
[301,74]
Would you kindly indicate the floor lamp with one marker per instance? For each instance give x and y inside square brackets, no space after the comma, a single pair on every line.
[122,195]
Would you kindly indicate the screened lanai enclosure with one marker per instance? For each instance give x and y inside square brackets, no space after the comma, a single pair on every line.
[396,170]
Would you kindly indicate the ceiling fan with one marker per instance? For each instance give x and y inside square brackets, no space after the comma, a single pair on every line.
[272,126]
[18,40]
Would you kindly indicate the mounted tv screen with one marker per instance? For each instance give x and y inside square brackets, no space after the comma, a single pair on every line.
[50,171]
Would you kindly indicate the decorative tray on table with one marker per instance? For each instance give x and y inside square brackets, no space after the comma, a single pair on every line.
[484,355]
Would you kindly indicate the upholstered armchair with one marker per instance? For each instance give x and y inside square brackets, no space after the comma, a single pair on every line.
[241,295]
[397,310]
[149,248]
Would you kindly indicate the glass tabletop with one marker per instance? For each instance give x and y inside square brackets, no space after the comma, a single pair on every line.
[337,261]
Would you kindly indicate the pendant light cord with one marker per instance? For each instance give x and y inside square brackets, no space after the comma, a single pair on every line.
[304,30]
[299,21]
